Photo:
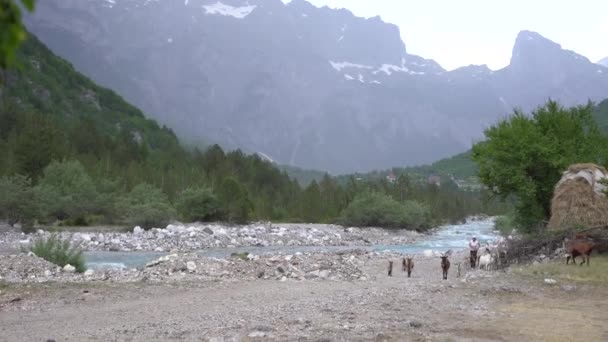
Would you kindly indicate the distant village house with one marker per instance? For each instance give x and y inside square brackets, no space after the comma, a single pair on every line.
[391,177]
[433,179]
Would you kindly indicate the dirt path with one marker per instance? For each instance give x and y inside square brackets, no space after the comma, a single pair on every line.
[487,307]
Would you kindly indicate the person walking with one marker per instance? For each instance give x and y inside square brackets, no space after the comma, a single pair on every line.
[473,247]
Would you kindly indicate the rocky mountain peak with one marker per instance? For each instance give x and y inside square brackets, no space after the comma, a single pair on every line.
[533,53]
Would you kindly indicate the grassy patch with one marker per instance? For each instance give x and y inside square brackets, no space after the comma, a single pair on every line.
[3,284]
[59,252]
[594,273]
[243,256]
[89,229]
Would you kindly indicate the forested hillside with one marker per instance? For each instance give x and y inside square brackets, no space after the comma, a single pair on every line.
[51,112]
[77,153]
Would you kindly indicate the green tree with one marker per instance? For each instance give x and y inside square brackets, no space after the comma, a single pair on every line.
[17,202]
[332,197]
[197,204]
[12,32]
[312,207]
[66,191]
[236,206]
[524,156]
[40,141]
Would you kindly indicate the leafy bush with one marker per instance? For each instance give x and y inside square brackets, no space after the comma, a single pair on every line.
[147,206]
[66,191]
[17,203]
[379,210]
[59,252]
[505,224]
[416,215]
[197,204]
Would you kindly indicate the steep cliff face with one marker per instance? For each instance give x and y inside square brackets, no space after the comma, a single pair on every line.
[308,86]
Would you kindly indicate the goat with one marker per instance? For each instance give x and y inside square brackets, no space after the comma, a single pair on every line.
[404,265]
[409,265]
[486,260]
[579,248]
[390,268]
[445,266]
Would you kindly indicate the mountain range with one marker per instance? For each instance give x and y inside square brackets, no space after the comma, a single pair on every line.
[300,85]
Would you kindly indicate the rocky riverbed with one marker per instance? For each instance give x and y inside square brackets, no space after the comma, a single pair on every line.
[180,237]
[28,268]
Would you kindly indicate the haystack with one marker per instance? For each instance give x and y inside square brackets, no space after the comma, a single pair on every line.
[579,199]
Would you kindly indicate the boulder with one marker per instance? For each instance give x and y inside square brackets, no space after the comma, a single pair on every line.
[69,268]
[313,274]
[415,324]
[89,273]
[85,237]
[208,230]
[324,274]
[138,231]
[550,281]
[191,266]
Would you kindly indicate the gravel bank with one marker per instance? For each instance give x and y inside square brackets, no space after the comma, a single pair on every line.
[179,237]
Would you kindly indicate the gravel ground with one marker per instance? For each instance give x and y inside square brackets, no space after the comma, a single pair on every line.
[478,306]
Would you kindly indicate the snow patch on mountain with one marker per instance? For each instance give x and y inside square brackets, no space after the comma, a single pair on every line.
[226,10]
[346,65]
[265,156]
[389,69]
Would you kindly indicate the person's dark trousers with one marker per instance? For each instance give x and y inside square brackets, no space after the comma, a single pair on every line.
[473,258]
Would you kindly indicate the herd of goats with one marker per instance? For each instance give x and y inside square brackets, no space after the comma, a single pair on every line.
[494,256]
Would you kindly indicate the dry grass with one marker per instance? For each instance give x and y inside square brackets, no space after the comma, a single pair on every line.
[595,273]
[575,204]
[575,168]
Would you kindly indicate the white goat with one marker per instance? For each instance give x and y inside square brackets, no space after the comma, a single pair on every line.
[486,261]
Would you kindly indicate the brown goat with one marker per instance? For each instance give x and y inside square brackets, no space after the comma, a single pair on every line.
[579,248]
[445,266]
[409,266]
[390,268]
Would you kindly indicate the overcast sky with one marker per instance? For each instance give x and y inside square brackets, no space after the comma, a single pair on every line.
[462,32]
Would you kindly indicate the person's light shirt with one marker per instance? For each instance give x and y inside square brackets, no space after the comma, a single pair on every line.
[474,245]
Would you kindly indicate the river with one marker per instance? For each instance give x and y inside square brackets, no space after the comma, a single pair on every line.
[444,238]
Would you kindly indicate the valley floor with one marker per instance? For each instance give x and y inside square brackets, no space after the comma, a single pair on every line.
[479,306]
